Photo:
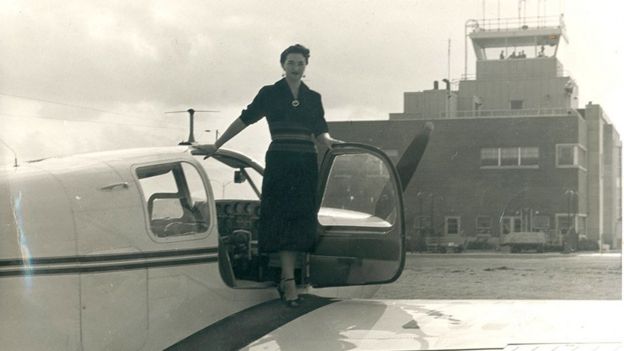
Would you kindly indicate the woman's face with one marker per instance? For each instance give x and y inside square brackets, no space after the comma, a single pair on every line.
[294,66]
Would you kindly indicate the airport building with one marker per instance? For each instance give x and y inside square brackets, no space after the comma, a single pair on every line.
[511,151]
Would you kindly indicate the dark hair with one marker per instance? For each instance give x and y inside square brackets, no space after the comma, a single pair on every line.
[295,49]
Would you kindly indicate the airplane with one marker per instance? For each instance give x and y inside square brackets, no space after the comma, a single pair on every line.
[135,250]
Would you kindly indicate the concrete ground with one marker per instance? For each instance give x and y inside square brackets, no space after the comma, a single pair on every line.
[486,275]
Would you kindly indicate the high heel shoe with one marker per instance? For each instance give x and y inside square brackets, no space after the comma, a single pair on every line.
[290,303]
[280,288]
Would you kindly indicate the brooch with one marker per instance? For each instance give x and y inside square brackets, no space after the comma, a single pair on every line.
[295,103]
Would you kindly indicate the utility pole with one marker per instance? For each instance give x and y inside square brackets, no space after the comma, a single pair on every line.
[216,133]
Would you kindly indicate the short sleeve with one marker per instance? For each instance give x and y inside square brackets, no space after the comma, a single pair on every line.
[257,109]
[320,125]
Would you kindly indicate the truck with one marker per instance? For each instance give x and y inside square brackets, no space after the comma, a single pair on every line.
[521,241]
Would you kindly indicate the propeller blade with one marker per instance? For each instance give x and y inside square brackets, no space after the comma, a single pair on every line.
[413,154]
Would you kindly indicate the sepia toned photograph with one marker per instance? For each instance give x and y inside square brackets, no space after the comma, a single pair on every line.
[320,175]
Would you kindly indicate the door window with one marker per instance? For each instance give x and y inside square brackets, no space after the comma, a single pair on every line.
[359,192]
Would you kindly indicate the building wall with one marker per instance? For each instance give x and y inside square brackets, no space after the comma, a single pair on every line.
[595,174]
[434,103]
[535,93]
[612,187]
[451,182]
[537,82]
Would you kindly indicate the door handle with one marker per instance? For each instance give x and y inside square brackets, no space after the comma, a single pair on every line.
[110,187]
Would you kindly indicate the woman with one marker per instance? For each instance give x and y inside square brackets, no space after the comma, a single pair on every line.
[288,218]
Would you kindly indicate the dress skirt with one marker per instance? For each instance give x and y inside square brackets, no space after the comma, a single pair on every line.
[288,209]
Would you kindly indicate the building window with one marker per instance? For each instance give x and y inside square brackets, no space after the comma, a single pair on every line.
[511,225]
[529,156]
[565,155]
[581,156]
[571,155]
[489,157]
[516,104]
[422,222]
[484,225]
[510,157]
[541,223]
[452,225]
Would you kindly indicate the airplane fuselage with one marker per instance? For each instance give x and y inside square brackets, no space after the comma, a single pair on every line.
[97,254]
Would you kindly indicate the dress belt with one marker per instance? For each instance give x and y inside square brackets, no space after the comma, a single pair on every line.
[291,136]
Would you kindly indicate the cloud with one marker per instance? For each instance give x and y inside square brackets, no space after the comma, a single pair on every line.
[204,52]
[142,58]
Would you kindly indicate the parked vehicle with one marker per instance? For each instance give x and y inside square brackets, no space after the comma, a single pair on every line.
[445,244]
[521,241]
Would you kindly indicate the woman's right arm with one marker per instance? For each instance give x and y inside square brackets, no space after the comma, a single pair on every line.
[236,127]
[253,113]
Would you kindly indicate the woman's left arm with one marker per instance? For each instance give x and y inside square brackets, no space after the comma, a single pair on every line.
[321,130]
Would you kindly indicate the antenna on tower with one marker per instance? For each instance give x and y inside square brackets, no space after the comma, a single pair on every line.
[522,11]
[483,10]
[191,112]
[448,59]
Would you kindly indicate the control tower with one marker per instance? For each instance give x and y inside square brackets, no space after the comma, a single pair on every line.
[517,70]
[517,74]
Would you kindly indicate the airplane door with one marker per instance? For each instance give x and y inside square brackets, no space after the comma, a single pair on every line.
[361,233]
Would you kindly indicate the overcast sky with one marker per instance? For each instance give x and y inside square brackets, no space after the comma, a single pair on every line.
[78,76]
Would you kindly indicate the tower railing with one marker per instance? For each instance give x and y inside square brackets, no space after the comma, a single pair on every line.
[509,24]
[508,113]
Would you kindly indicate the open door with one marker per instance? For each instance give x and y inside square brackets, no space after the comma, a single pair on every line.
[361,233]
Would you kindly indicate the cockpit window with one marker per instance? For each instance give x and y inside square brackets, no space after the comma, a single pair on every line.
[176,199]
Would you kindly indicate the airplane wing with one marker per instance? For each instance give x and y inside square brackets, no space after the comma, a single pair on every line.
[329,324]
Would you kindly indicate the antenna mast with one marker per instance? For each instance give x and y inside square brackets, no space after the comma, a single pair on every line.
[191,112]
[448,69]
[483,10]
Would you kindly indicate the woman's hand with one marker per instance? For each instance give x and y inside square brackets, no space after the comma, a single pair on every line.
[328,141]
[333,142]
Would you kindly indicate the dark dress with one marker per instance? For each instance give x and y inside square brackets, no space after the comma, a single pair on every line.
[288,213]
